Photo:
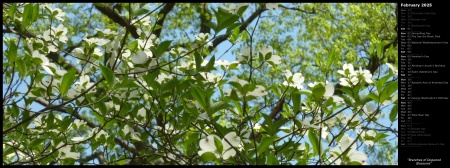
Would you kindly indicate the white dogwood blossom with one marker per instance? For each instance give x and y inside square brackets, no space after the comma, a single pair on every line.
[229,140]
[353,155]
[295,80]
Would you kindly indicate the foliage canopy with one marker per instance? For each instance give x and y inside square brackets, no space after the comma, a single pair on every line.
[180,83]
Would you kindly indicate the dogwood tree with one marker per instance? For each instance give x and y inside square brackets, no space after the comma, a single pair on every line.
[196,84]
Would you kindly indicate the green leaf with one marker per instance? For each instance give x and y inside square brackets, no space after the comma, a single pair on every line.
[265,143]
[314,140]
[199,96]
[14,110]
[110,122]
[268,120]
[380,136]
[36,142]
[268,56]
[27,16]
[233,28]
[186,117]
[50,121]
[247,88]
[141,11]
[261,57]
[198,61]
[66,122]
[318,91]
[102,107]
[67,81]
[12,10]
[383,80]
[12,51]
[374,97]
[380,49]
[208,156]
[234,95]
[210,65]
[354,163]
[242,9]
[234,35]
[388,90]
[227,22]
[236,85]
[296,98]
[171,84]
[278,124]
[108,74]
[150,77]
[218,144]
[272,159]
[133,45]
[35,13]
[212,25]
[393,113]
[99,118]
[330,59]
[162,47]
[217,106]
[22,69]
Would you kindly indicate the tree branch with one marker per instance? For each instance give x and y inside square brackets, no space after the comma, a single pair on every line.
[221,38]
[165,10]
[205,17]
[273,114]
[298,9]
[108,11]
[97,154]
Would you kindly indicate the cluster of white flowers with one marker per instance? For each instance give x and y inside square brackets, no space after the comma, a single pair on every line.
[275,59]
[91,133]
[307,123]
[258,91]
[85,81]
[57,13]
[46,64]
[225,63]
[134,135]
[353,155]
[352,77]
[145,21]
[272,6]
[83,58]
[211,77]
[145,45]
[208,145]
[233,8]
[203,37]
[65,152]
[40,122]
[295,80]
[106,31]
[95,40]
[179,51]
[368,136]
[162,77]
[392,68]
[369,109]
[329,89]
[17,153]
[45,84]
